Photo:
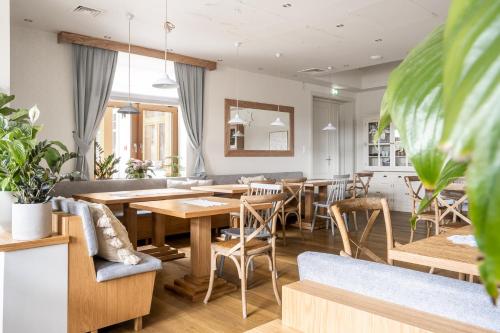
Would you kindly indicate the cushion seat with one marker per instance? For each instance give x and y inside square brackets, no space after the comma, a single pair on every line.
[108,270]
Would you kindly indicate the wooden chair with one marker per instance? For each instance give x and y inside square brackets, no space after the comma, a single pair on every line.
[336,193]
[415,187]
[376,205]
[92,304]
[293,204]
[255,188]
[359,189]
[244,249]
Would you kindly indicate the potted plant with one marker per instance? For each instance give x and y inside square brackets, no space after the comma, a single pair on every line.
[16,125]
[173,168]
[137,169]
[105,167]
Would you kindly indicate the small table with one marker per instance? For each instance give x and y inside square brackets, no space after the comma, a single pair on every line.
[231,190]
[193,285]
[126,198]
[437,251]
[309,189]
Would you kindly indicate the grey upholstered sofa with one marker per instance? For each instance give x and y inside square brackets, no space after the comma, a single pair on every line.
[68,189]
[449,298]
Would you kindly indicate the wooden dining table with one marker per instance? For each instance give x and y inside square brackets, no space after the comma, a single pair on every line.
[228,190]
[439,252]
[195,284]
[125,198]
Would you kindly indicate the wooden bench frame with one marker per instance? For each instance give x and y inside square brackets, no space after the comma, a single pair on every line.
[93,305]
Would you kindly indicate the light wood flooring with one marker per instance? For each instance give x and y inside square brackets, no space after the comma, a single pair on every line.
[172,313]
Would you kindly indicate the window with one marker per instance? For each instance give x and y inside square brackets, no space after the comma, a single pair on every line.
[151,135]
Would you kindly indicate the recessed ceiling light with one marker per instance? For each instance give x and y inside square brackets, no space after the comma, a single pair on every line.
[28,20]
[107,37]
[286,5]
[278,55]
[220,60]
[340,25]
[376,57]
[378,40]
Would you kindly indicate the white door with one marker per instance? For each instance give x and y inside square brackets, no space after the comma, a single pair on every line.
[325,143]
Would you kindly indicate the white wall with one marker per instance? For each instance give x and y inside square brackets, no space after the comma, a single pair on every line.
[5,46]
[220,84]
[42,75]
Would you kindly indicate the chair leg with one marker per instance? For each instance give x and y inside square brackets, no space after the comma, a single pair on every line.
[283,231]
[138,324]
[333,225]
[274,276]
[355,219]
[222,260]
[243,287]
[314,218]
[212,277]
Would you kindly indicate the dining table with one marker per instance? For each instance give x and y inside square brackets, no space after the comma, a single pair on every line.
[126,198]
[440,252]
[227,190]
[198,212]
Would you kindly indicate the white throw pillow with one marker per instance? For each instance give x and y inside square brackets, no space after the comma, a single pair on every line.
[202,182]
[112,237]
[248,180]
[182,184]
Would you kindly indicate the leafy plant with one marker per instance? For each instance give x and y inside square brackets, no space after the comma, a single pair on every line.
[444,99]
[137,169]
[173,167]
[105,167]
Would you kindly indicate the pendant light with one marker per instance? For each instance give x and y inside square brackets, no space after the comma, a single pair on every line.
[278,122]
[165,82]
[237,120]
[129,108]
[329,127]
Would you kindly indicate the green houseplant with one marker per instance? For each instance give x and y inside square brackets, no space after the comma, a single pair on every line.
[444,99]
[105,167]
[173,167]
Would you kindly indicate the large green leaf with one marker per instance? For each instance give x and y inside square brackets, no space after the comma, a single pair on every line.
[413,103]
[472,118]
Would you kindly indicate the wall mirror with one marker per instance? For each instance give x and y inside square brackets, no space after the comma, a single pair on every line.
[258,129]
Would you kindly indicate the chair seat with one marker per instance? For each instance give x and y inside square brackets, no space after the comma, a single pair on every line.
[254,246]
[109,270]
[289,209]
[235,232]
[427,216]
[322,204]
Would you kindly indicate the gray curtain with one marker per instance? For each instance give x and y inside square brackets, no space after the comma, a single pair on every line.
[93,73]
[190,80]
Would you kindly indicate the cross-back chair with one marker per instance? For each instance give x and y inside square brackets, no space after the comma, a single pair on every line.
[373,204]
[293,204]
[244,249]
[254,188]
[336,193]
[359,188]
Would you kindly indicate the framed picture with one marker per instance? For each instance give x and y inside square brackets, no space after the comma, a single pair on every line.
[278,140]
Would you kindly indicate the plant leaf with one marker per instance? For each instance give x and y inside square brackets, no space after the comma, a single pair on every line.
[472,118]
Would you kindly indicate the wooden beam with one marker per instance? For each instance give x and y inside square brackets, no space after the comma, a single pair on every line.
[68,37]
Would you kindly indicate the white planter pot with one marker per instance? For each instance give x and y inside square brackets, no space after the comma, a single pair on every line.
[6,201]
[31,221]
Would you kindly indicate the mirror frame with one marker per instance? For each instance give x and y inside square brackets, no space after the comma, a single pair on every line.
[228,103]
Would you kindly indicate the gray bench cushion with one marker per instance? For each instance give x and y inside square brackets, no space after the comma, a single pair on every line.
[233,179]
[68,189]
[108,270]
[446,297]
[70,206]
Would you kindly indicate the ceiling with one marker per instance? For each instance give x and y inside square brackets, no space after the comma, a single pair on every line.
[306,33]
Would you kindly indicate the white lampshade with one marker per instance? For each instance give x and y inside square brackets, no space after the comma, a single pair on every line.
[278,122]
[238,134]
[165,82]
[128,109]
[329,127]
[236,120]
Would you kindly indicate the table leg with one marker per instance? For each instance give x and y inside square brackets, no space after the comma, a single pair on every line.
[322,197]
[195,285]
[159,249]
[308,207]
[130,215]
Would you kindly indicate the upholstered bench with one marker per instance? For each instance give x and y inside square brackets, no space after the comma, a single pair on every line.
[101,293]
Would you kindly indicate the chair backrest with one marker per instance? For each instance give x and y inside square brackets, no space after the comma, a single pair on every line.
[374,204]
[361,181]
[293,188]
[252,205]
[414,186]
[338,188]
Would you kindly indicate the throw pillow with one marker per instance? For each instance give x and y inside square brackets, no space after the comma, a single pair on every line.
[112,237]
[248,180]
[182,184]
[202,182]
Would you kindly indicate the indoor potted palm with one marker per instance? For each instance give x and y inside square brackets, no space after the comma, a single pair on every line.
[16,125]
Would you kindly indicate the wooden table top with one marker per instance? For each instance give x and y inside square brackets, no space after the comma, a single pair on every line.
[439,252]
[226,189]
[122,197]
[321,182]
[7,244]
[183,209]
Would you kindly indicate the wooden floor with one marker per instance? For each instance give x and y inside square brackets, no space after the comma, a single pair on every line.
[172,313]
